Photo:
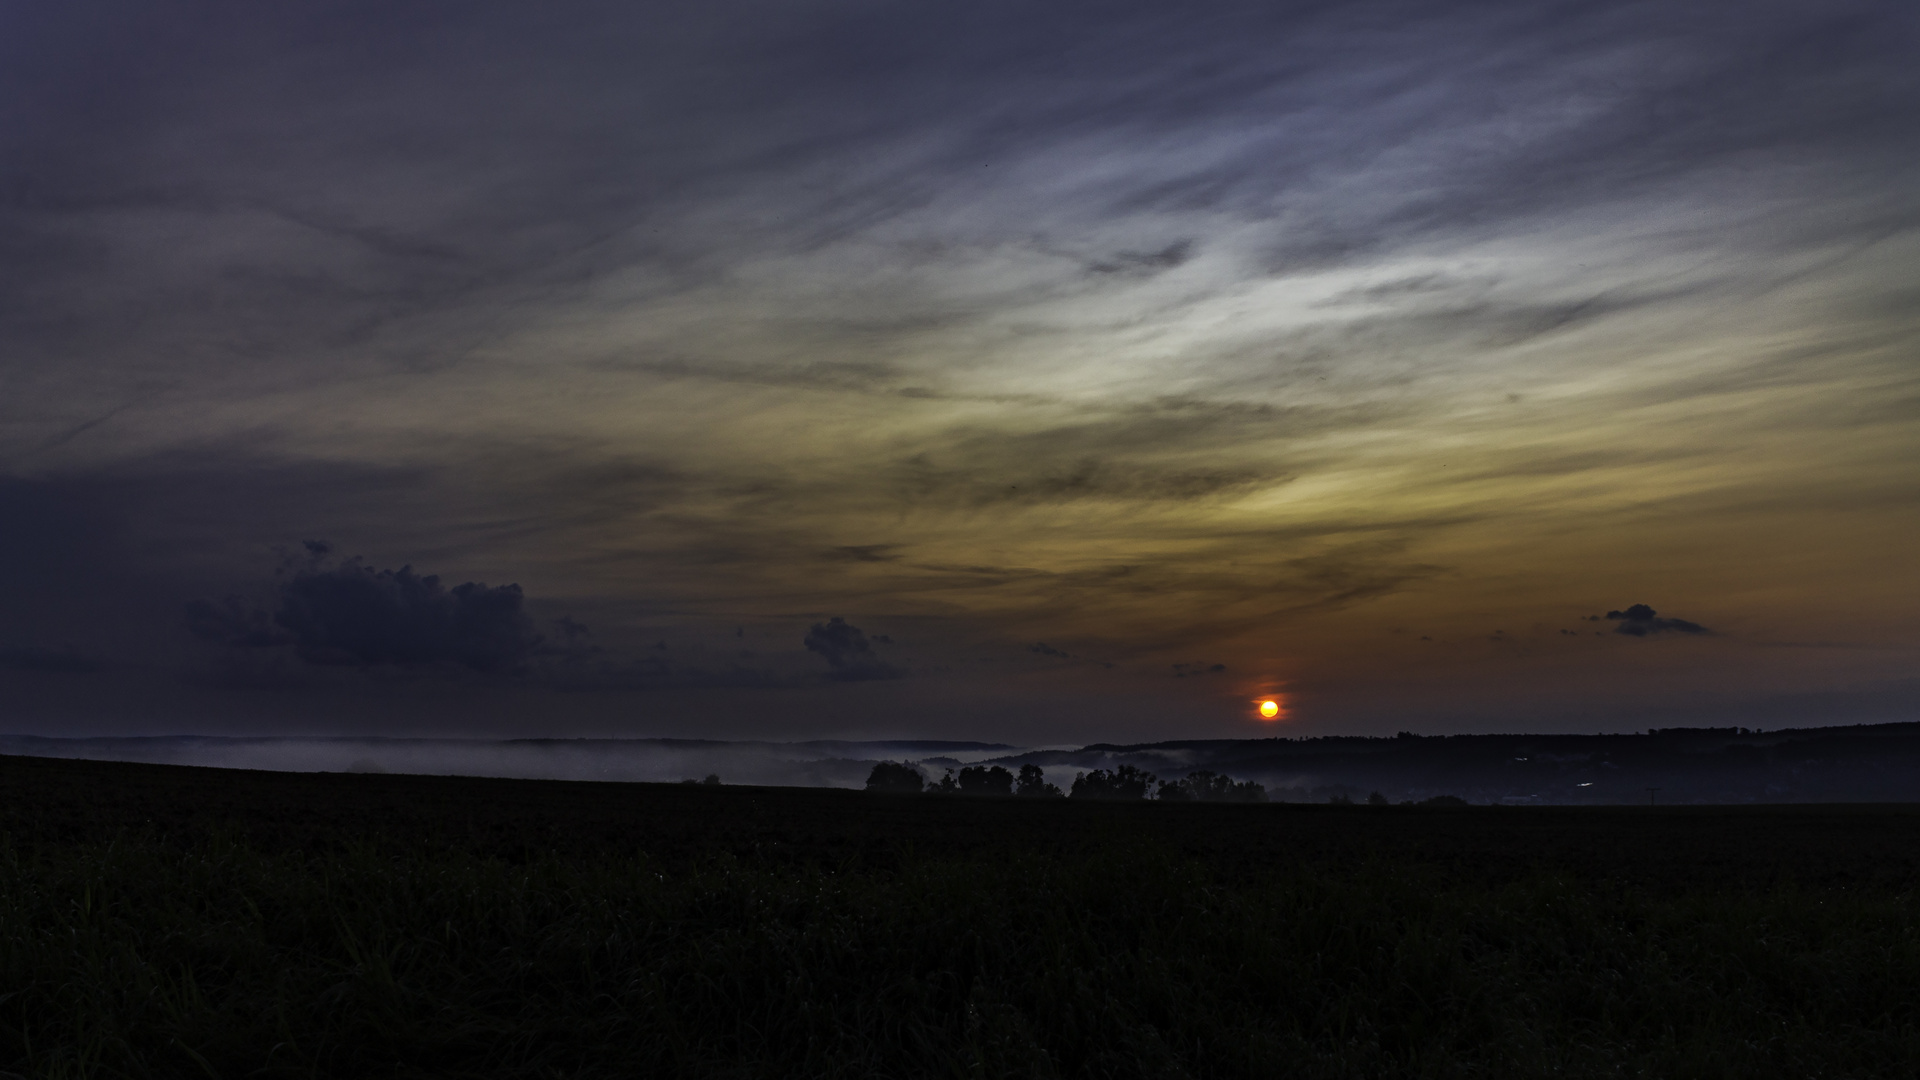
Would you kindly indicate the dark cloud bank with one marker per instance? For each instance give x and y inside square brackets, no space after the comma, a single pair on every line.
[353,615]
[349,614]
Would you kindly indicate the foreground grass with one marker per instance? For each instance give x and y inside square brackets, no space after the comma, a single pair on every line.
[143,954]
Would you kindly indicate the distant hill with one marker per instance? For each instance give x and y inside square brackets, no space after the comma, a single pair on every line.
[1863,763]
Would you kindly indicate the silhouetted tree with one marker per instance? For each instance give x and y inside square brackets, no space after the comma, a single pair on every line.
[1125,782]
[1032,784]
[713,780]
[1376,799]
[1342,799]
[947,785]
[893,777]
[981,780]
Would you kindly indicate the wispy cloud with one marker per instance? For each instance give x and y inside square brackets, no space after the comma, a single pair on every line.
[1217,332]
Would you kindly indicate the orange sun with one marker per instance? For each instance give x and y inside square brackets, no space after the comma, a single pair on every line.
[1269,709]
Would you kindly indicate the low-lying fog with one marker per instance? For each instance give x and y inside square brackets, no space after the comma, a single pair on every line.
[804,764]
[1866,763]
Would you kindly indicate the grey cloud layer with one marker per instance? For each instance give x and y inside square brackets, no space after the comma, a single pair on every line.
[318,187]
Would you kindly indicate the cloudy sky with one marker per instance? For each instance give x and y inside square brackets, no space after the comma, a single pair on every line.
[1048,373]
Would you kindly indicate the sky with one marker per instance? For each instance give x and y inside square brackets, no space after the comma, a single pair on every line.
[1038,373]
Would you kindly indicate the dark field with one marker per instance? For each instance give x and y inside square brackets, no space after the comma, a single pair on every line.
[163,921]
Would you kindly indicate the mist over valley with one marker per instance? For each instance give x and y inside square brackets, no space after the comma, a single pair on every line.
[1860,763]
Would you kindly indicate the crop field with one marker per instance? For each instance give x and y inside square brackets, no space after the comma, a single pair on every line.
[160,921]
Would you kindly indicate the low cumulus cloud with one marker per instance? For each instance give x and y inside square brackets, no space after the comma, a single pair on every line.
[1642,621]
[348,614]
[353,615]
[848,652]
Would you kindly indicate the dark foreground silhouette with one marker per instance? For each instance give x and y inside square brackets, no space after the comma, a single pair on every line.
[167,921]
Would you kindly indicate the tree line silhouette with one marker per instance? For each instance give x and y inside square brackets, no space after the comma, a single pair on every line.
[1124,783]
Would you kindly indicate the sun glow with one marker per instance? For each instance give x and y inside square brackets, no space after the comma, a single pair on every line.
[1269,708]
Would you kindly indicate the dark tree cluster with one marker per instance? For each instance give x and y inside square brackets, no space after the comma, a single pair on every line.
[975,780]
[1032,784]
[1125,782]
[1377,799]
[895,778]
[1206,786]
[979,780]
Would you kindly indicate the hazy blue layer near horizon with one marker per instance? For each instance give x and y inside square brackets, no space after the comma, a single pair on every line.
[1861,763]
[820,763]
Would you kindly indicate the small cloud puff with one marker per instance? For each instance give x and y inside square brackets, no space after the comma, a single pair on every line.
[848,652]
[1642,621]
